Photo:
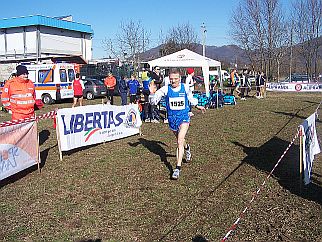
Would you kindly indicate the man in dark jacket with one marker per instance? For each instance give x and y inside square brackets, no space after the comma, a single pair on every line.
[123,90]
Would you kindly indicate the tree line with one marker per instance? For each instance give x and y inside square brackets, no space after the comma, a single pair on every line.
[266,33]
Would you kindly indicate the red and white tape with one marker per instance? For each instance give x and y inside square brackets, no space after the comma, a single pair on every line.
[235,224]
[50,114]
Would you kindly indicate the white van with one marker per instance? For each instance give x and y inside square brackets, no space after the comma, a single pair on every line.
[52,81]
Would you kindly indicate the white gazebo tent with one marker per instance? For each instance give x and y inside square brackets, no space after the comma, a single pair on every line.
[188,58]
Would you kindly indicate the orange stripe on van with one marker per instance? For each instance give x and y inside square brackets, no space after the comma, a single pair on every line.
[46,88]
[50,74]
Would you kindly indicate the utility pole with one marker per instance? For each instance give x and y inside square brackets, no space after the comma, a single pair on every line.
[203,31]
[291,53]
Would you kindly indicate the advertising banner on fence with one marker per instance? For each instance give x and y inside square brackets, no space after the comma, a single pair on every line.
[18,148]
[311,146]
[294,87]
[92,124]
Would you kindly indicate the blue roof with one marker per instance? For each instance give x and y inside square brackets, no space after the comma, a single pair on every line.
[34,20]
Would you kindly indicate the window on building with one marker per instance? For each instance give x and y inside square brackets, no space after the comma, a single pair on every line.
[71,75]
[45,76]
[63,75]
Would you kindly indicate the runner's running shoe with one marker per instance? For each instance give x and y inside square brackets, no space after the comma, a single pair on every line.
[188,153]
[176,174]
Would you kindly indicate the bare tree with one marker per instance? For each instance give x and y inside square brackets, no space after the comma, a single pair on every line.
[132,41]
[276,35]
[109,48]
[258,27]
[307,19]
[177,38]
[247,31]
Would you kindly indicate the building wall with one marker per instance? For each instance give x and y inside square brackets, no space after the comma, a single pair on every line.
[22,43]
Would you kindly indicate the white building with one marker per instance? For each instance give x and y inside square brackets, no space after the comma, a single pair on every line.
[36,38]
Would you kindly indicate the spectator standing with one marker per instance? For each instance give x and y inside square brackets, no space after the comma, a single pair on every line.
[123,90]
[190,83]
[189,80]
[146,92]
[78,87]
[110,83]
[242,86]
[260,82]
[177,96]
[155,84]
[262,85]
[18,95]
[133,86]
[233,81]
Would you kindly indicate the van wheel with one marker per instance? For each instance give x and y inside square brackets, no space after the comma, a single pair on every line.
[89,96]
[46,99]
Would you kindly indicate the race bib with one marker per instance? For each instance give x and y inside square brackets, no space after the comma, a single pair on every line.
[177,103]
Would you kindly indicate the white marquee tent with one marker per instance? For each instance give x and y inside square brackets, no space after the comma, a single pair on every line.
[188,58]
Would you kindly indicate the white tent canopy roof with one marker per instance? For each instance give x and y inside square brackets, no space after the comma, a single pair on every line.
[184,58]
[188,58]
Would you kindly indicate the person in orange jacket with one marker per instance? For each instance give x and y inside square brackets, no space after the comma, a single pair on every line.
[110,83]
[19,96]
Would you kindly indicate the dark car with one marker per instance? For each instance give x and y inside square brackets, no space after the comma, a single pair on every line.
[93,88]
[102,78]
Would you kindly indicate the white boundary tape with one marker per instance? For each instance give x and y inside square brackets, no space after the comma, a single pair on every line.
[235,224]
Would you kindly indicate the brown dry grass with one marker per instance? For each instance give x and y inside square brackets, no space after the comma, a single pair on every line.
[121,190]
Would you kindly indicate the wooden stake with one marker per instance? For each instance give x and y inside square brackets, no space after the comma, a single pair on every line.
[58,141]
[38,152]
[301,156]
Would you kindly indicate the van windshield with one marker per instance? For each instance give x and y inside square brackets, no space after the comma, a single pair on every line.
[71,75]
[63,75]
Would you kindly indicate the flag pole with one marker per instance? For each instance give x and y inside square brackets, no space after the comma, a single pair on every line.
[301,157]
[38,150]
[58,140]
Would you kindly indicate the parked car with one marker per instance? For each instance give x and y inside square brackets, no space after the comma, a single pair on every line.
[101,78]
[298,78]
[93,88]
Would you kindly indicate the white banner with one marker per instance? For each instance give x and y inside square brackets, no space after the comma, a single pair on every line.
[18,148]
[311,146]
[92,124]
[294,87]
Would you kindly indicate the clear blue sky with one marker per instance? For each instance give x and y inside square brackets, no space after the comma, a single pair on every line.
[105,16]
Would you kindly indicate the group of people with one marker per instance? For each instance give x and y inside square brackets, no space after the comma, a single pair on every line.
[19,98]
[241,84]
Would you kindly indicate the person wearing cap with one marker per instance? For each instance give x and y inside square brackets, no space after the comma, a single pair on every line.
[177,98]
[19,96]
[110,83]
[190,83]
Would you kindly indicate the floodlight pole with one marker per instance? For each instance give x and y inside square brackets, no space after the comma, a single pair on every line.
[203,31]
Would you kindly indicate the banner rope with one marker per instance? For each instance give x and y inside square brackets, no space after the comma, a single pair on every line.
[50,114]
[235,224]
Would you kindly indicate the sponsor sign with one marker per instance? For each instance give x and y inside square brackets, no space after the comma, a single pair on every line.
[294,87]
[311,146]
[92,124]
[18,148]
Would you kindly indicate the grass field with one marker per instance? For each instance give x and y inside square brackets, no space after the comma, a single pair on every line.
[122,191]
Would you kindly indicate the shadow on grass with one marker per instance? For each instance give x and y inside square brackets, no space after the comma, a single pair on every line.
[266,156]
[43,136]
[199,238]
[156,148]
